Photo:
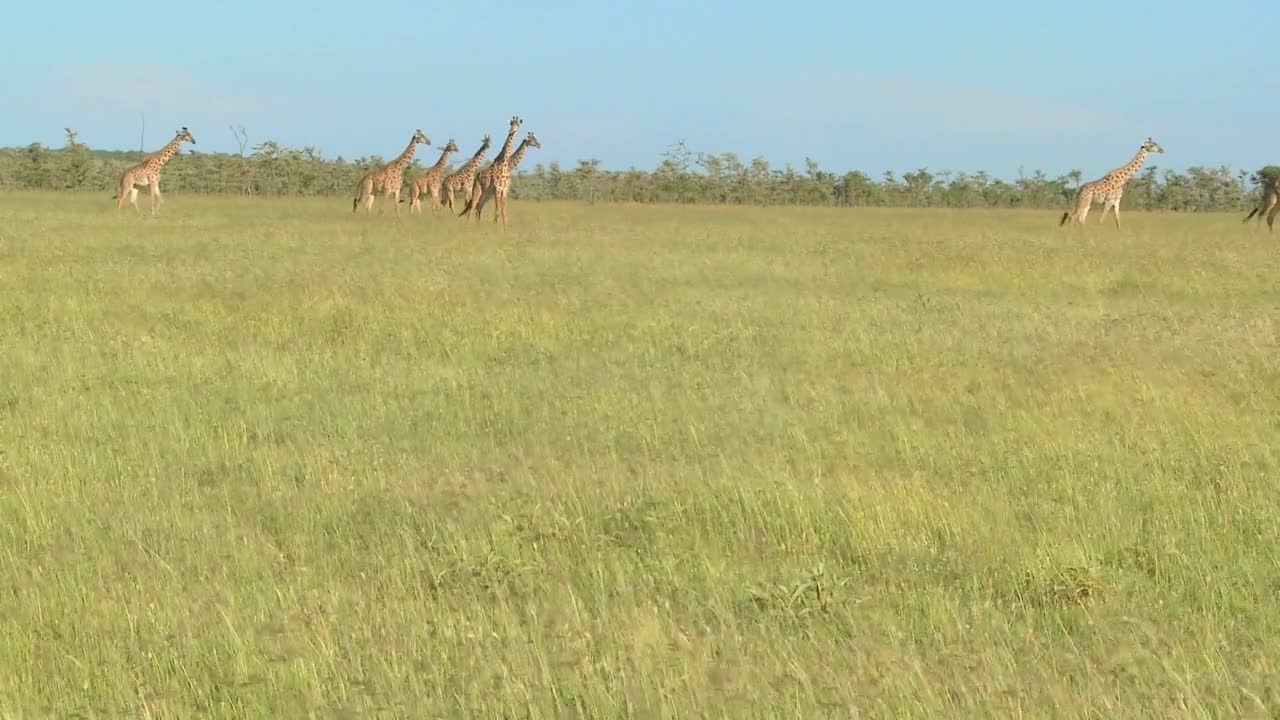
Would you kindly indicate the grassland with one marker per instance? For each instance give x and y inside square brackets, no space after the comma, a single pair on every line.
[268,459]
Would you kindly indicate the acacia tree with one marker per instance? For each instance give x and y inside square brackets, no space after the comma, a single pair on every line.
[1269,175]
[75,163]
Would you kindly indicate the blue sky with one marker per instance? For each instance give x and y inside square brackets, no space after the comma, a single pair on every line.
[856,85]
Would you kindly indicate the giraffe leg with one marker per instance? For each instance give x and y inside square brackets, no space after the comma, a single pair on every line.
[1269,207]
[500,190]
[361,195]
[485,196]
[1078,214]
[1115,213]
[473,207]
[394,195]
[435,200]
[482,196]
[414,203]
[155,196]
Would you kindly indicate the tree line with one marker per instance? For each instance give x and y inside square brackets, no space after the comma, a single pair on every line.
[682,175]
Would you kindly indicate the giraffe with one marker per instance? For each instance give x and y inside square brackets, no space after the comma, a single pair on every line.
[460,180]
[501,183]
[147,173]
[1269,206]
[487,176]
[1109,188]
[429,181]
[387,178]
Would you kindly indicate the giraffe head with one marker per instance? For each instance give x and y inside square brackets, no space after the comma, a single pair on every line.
[485,143]
[515,124]
[1152,146]
[184,135]
[449,147]
[420,137]
[532,140]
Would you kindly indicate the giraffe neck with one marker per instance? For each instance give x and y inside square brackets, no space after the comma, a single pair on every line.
[402,162]
[506,146]
[471,165]
[516,157]
[444,157]
[1126,171]
[167,152]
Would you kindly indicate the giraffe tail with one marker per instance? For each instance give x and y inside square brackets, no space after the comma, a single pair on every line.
[1251,214]
[1063,221]
[355,203]
[466,209]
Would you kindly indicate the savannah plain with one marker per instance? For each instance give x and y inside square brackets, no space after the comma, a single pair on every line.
[267,458]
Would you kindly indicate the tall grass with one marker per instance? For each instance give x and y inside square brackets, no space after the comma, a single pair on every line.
[267,458]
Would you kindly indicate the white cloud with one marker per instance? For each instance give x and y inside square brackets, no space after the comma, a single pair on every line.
[160,90]
[910,107]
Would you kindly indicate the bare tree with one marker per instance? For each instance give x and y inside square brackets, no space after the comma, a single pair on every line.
[242,139]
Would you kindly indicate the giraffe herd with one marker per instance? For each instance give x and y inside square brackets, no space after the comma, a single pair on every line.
[476,186]
[494,182]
